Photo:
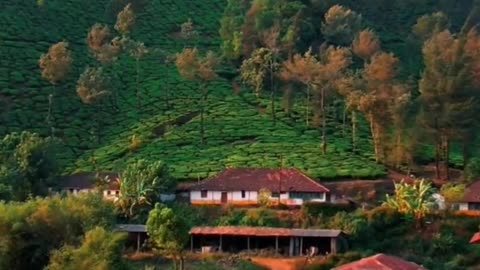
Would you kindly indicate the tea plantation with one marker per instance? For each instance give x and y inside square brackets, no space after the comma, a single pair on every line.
[162,123]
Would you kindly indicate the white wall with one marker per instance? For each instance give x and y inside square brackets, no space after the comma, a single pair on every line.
[463,206]
[216,196]
[236,196]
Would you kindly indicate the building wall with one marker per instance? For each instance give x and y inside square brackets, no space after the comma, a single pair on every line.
[463,206]
[251,197]
[107,194]
[215,197]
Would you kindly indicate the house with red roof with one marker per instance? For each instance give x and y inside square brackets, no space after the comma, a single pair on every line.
[381,262]
[471,199]
[243,187]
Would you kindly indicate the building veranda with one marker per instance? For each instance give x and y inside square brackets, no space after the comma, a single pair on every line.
[284,241]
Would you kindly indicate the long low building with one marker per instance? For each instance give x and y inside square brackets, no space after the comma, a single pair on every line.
[285,241]
[244,186]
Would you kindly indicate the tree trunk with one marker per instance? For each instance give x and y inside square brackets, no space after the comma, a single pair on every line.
[50,118]
[324,121]
[137,82]
[437,159]
[307,105]
[182,262]
[465,153]
[273,90]
[447,158]
[398,149]
[374,137]
[344,120]
[202,117]
[354,131]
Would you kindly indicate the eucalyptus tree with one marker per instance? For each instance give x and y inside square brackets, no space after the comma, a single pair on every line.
[194,67]
[92,88]
[55,66]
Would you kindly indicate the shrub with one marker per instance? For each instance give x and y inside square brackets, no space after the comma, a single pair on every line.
[472,170]
[313,209]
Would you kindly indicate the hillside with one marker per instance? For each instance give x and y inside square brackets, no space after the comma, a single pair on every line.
[240,132]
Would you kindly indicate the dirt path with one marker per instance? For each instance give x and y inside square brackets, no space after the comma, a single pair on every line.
[280,264]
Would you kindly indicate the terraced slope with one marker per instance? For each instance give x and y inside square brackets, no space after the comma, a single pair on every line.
[238,132]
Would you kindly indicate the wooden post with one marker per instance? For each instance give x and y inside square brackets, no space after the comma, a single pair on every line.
[333,245]
[220,248]
[138,242]
[301,246]
[290,250]
[191,243]
[276,244]
[248,243]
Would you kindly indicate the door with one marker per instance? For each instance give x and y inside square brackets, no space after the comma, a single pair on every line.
[224,198]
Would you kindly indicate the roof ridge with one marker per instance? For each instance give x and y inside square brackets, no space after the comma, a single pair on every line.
[310,179]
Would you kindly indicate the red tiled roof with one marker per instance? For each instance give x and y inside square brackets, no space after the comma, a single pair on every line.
[473,193]
[275,180]
[381,262]
[475,239]
[263,231]
[87,180]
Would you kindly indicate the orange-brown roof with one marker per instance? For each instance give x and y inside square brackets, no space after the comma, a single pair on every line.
[473,193]
[381,262]
[275,180]
[475,239]
[263,231]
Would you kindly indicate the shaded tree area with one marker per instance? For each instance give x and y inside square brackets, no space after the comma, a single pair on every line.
[30,231]
[329,48]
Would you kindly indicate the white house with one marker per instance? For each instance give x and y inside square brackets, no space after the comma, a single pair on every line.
[85,182]
[471,200]
[244,186]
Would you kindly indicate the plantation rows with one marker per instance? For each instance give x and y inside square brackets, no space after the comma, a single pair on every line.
[164,118]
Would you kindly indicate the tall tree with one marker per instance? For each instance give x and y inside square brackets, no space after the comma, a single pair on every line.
[138,52]
[194,67]
[319,75]
[341,25]
[431,24]
[55,66]
[302,68]
[449,90]
[92,88]
[125,20]
[169,233]
[255,70]
[333,62]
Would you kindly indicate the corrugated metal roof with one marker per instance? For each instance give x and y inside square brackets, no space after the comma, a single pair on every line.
[381,262]
[264,231]
[131,228]
[254,179]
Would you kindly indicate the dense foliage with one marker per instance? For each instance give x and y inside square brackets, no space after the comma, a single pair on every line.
[28,166]
[30,231]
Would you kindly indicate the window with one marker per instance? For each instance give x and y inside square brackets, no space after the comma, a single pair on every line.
[307,196]
[243,193]
[203,193]
[109,192]
[117,192]
[71,190]
[275,194]
[474,206]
